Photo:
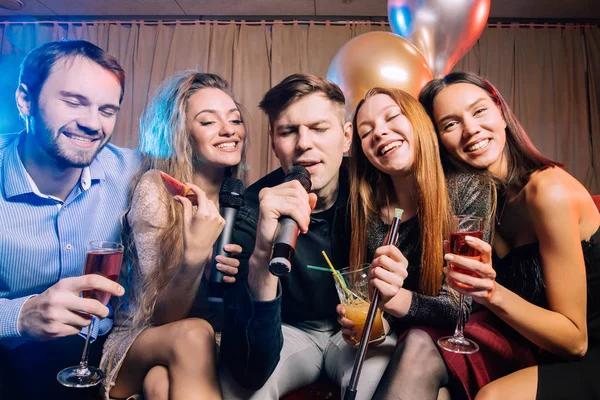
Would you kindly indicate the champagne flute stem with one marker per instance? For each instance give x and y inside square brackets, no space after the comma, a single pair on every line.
[460,322]
[83,364]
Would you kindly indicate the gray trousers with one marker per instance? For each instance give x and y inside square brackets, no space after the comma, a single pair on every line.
[308,351]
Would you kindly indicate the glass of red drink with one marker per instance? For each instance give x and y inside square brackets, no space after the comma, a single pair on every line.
[460,227]
[103,258]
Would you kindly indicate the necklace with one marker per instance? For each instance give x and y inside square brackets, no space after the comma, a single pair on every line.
[499,215]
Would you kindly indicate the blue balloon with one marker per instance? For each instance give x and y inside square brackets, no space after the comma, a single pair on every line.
[401,21]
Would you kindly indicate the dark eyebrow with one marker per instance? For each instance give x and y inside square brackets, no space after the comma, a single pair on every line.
[207,111]
[285,127]
[213,111]
[450,116]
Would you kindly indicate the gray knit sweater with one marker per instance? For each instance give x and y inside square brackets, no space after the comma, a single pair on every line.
[470,195]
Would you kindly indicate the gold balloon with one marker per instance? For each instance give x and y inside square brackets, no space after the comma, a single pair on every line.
[378,59]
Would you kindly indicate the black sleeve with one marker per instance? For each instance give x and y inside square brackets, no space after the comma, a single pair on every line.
[252,338]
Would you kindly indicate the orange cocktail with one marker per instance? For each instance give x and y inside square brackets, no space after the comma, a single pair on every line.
[357,313]
[353,291]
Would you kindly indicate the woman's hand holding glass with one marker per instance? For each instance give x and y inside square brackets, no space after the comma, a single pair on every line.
[349,334]
[387,273]
[470,277]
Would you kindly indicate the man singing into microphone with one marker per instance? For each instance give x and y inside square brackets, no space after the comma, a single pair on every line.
[281,332]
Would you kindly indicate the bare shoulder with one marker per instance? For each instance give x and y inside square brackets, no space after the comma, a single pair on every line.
[553,185]
[555,190]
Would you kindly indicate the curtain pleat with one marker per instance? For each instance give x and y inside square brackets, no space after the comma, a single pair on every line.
[550,77]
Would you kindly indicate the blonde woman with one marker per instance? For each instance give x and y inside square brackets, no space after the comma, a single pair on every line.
[192,130]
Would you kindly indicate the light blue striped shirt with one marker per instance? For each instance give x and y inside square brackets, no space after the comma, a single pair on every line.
[42,239]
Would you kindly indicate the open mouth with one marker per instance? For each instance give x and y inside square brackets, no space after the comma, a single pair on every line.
[477,146]
[83,141]
[309,165]
[227,145]
[391,146]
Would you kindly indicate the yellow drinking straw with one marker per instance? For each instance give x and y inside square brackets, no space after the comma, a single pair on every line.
[337,275]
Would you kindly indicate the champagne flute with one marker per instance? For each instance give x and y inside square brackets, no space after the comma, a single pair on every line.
[460,227]
[103,258]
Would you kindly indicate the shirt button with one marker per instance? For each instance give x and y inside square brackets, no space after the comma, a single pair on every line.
[69,246]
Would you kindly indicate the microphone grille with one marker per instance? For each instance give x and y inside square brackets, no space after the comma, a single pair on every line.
[232,193]
[301,174]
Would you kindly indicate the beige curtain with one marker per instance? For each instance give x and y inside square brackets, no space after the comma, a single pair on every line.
[541,73]
[592,40]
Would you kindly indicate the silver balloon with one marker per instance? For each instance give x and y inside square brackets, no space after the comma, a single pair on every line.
[443,30]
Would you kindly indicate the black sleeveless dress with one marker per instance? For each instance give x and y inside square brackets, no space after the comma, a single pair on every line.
[521,272]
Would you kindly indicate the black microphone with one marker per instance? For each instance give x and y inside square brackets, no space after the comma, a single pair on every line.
[284,244]
[231,197]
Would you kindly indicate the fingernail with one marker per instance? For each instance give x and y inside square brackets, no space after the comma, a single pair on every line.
[469,238]
[449,257]
[219,258]
[445,270]
[121,290]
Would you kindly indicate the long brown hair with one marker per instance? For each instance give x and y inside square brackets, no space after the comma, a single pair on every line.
[522,156]
[370,191]
[167,146]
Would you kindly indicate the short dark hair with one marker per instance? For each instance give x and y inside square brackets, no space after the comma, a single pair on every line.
[295,87]
[37,64]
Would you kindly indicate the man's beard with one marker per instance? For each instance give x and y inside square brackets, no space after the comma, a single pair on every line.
[63,158]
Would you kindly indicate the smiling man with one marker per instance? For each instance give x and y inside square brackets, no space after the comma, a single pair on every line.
[280,333]
[62,185]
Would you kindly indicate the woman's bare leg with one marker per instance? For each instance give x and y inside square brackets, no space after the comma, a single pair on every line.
[520,385]
[156,383]
[186,348]
[444,394]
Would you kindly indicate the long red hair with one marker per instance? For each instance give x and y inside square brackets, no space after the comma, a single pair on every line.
[370,191]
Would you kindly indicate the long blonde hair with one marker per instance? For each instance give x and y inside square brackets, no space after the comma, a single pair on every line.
[167,146]
[369,191]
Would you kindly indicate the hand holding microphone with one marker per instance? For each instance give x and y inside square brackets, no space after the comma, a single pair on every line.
[284,244]
[231,197]
[288,200]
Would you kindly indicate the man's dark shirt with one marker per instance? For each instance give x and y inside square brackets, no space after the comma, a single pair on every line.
[252,338]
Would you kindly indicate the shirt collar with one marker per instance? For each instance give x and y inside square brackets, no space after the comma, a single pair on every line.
[95,172]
